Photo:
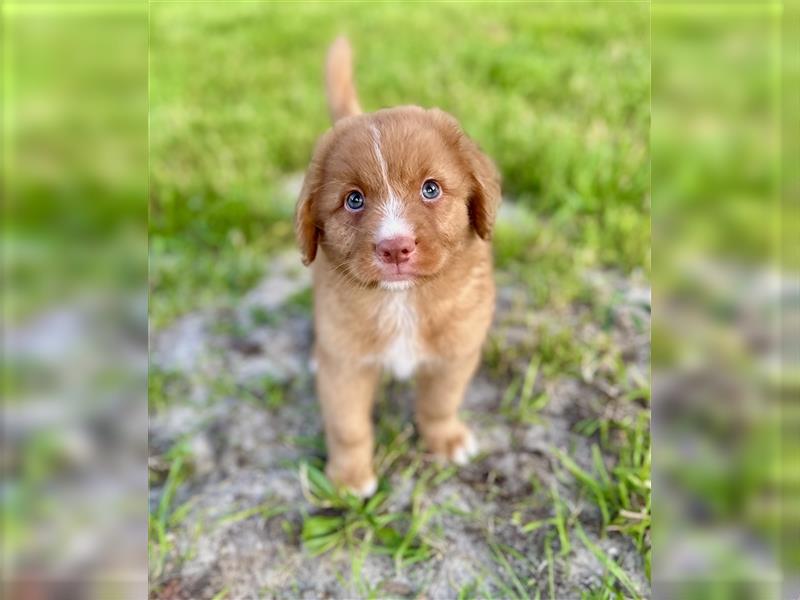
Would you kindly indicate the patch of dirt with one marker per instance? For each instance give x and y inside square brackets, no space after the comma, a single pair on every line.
[243,452]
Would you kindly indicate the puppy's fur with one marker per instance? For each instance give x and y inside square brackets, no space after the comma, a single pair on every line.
[427,316]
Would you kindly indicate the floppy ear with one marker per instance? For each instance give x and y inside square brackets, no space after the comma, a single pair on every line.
[305,227]
[306,223]
[484,195]
[484,199]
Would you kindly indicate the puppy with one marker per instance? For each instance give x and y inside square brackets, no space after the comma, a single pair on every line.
[394,217]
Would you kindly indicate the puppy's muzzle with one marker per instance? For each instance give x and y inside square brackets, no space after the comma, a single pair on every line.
[396,250]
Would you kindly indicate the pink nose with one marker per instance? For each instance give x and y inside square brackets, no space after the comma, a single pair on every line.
[396,250]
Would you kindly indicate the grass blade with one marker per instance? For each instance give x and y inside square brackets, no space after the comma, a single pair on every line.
[500,557]
[608,562]
[588,482]
[548,550]
[560,521]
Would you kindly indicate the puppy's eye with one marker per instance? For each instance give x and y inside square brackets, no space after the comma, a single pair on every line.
[431,190]
[354,201]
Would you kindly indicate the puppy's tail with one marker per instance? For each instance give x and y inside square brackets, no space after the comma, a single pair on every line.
[341,92]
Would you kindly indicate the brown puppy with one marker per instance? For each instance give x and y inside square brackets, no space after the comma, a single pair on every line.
[394,217]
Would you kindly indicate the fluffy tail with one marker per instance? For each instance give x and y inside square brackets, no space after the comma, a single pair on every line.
[341,92]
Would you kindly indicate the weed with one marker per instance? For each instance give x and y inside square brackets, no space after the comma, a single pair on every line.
[517,589]
[361,526]
[519,402]
[622,493]
[468,591]
[551,581]
[608,562]
[221,595]
[266,511]
[260,316]
[159,542]
[164,387]
[272,393]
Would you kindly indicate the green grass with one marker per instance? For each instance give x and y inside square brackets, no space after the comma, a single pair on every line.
[557,96]
[166,516]
[336,522]
[266,510]
[342,522]
[613,568]
[360,526]
[165,387]
[236,103]
[509,582]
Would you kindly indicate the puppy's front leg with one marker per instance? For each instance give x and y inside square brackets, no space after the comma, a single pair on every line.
[346,393]
[441,391]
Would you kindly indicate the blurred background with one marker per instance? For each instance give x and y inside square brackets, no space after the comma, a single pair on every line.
[74,253]
[561,104]
[560,96]
[725,329]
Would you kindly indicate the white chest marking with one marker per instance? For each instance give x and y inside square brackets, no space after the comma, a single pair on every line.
[398,318]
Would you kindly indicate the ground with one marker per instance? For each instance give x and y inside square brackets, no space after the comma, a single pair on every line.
[240,509]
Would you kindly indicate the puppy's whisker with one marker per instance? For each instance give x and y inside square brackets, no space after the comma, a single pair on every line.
[343,271]
[349,279]
[356,228]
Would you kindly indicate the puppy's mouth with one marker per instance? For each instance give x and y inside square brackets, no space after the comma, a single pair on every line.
[397,273]
[396,276]
[393,277]
[402,275]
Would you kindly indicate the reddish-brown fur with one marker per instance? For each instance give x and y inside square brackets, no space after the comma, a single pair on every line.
[439,323]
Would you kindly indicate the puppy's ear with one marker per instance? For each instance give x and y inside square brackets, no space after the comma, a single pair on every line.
[484,199]
[306,221]
[484,195]
[305,227]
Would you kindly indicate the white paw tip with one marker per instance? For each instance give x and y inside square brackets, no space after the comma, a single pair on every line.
[471,445]
[368,489]
[460,456]
[465,451]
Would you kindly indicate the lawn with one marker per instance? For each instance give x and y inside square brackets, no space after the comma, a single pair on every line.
[558,504]
[557,94]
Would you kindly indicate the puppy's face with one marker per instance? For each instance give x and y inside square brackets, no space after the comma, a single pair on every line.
[393,196]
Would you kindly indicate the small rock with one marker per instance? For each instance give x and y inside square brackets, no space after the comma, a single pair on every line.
[202,454]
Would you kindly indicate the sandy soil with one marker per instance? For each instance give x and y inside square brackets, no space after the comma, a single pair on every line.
[244,452]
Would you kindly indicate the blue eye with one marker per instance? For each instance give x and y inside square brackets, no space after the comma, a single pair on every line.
[431,190]
[354,201]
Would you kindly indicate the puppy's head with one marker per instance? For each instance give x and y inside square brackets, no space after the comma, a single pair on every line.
[393,196]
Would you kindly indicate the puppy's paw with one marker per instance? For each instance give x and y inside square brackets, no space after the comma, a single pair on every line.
[362,484]
[456,443]
[466,450]
[366,489]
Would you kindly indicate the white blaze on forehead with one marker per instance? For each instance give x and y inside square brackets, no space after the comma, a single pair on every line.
[393,223]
